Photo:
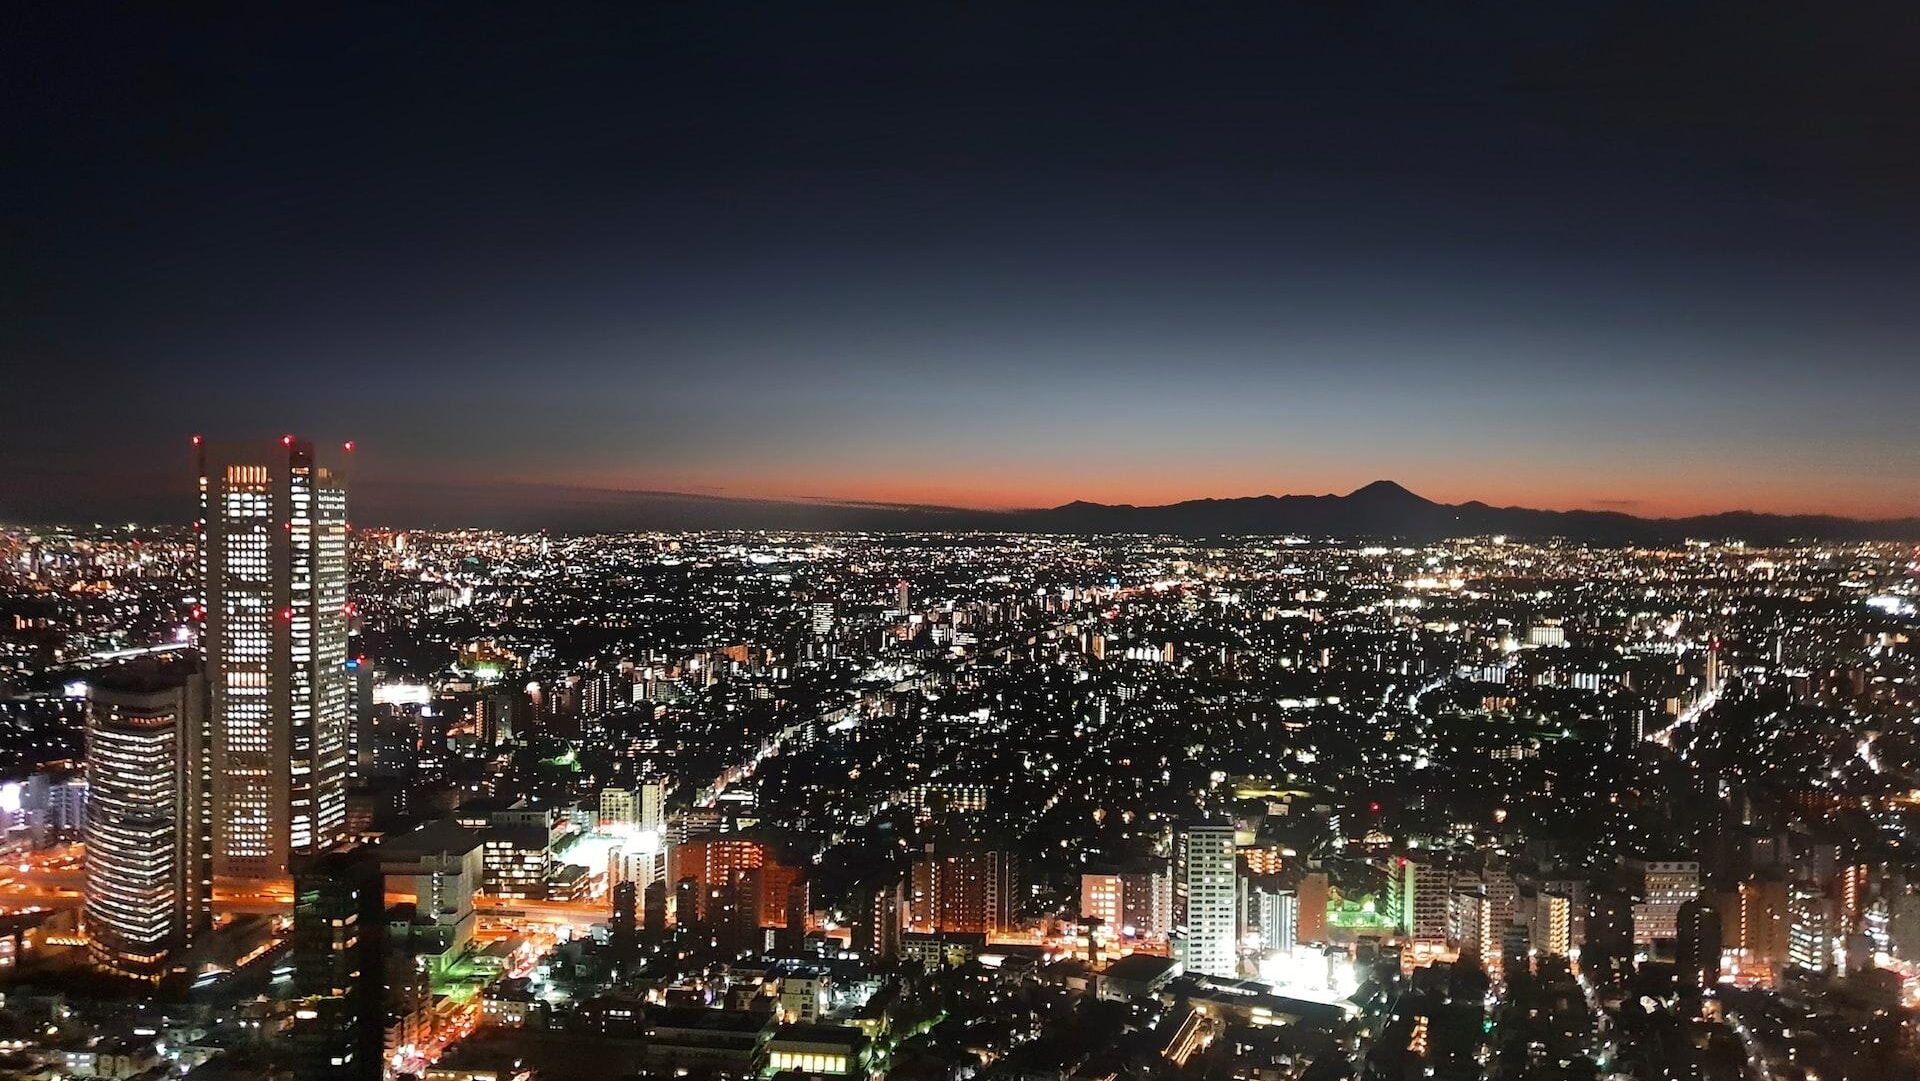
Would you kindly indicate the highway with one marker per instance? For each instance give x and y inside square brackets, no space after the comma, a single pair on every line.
[1664,736]
[62,890]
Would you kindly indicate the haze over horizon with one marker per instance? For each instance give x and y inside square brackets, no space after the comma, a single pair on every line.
[1655,260]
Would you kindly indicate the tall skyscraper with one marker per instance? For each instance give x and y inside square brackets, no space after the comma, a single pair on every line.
[147,882]
[1204,907]
[273,628]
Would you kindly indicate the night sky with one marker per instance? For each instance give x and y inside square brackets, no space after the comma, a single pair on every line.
[1654,257]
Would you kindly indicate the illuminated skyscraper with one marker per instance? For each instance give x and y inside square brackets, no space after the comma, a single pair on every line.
[273,627]
[1205,883]
[147,882]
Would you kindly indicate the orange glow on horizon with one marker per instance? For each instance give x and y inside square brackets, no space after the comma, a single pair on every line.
[993,489]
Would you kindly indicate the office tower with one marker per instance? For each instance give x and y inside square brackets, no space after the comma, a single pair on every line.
[360,739]
[903,597]
[273,628]
[1667,885]
[821,613]
[440,866]
[1204,909]
[148,887]
[339,925]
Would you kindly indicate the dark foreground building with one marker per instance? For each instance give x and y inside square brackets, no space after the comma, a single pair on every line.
[338,949]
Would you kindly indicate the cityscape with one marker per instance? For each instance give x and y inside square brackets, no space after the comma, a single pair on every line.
[1116,541]
[303,799]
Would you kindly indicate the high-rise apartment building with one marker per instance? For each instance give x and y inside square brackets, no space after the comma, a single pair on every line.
[1666,885]
[147,882]
[1764,922]
[1134,901]
[712,863]
[618,807]
[1553,924]
[1811,927]
[1425,898]
[1698,943]
[1204,908]
[1272,914]
[1315,891]
[966,890]
[1100,895]
[879,920]
[273,627]
[650,802]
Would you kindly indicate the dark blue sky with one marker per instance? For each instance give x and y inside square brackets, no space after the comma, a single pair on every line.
[1660,257]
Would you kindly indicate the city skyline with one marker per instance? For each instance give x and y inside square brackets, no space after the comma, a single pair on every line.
[1231,784]
[1075,541]
[1661,264]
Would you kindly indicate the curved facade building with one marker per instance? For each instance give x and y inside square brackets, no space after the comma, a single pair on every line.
[146,890]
